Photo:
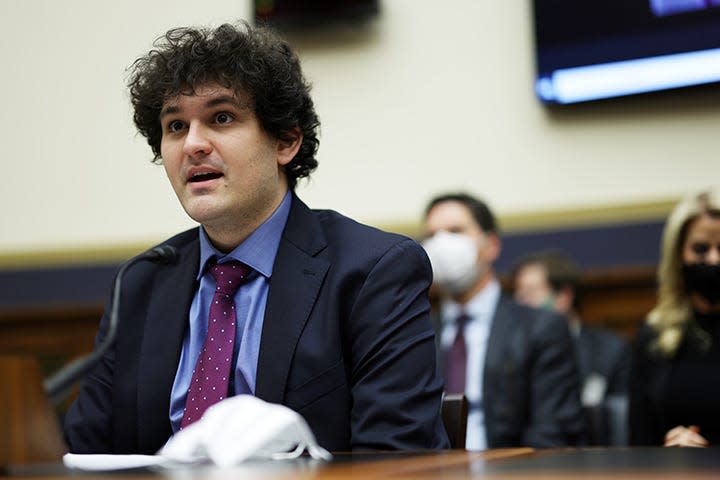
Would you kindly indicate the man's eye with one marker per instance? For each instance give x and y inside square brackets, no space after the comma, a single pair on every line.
[223,118]
[175,126]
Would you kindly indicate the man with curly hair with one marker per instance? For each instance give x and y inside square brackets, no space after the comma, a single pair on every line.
[331,317]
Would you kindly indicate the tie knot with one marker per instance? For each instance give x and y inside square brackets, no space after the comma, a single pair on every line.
[229,276]
[462,319]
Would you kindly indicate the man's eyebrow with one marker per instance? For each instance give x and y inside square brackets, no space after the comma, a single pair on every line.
[213,102]
[226,99]
[169,110]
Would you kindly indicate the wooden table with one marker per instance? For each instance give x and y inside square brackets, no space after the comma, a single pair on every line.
[508,464]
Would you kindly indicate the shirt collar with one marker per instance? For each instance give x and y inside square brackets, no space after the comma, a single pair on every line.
[482,304]
[258,250]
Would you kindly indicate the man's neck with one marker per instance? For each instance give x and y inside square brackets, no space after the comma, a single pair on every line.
[477,288]
[226,236]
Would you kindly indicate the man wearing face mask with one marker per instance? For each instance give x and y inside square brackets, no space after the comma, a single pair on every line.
[551,280]
[515,364]
[674,393]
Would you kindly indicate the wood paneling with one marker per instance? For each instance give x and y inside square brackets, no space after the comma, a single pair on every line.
[51,336]
[618,299]
[30,432]
[66,331]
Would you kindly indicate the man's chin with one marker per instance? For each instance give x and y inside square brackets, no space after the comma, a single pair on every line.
[203,213]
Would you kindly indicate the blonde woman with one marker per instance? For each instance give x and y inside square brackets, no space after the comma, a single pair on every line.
[675,388]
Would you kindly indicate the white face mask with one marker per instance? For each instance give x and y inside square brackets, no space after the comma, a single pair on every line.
[243,428]
[454,261]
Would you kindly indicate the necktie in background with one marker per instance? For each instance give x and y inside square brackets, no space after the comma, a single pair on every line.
[211,377]
[456,363]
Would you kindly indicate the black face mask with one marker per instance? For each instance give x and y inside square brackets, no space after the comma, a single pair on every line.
[703,279]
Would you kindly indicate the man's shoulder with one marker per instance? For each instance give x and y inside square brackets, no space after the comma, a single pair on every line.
[316,230]
[531,327]
[342,230]
[350,245]
[528,316]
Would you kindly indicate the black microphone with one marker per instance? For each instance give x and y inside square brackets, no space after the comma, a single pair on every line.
[56,386]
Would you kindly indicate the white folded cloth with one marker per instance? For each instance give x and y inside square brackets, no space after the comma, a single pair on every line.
[232,431]
[107,462]
[244,427]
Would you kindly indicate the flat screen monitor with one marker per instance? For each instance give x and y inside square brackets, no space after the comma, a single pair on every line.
[596,49]
[314,14]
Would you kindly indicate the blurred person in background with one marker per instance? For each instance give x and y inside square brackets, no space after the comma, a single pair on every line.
[551,280]
[514,364]
[675,393]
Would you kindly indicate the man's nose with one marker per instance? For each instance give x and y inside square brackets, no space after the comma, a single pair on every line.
[197,142]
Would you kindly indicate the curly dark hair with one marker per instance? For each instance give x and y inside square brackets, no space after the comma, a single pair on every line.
[248,59]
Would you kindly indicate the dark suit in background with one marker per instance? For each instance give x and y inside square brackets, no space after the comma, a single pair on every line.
[529,391]
[346,342]
[530,384]
[530,381]
[605,354]
[604,363]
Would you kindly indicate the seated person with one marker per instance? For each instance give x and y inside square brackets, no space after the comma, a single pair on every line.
[324,315]
[551,280]
[675,394]
[515,364]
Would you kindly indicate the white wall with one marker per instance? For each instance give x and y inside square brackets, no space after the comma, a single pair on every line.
[436,96]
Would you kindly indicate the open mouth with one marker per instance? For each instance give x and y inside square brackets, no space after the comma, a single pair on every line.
[203,177]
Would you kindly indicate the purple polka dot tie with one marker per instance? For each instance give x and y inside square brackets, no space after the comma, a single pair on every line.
[211,377]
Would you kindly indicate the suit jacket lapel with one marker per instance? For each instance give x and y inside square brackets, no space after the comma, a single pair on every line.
[167,317]
[499,331]
[294,286]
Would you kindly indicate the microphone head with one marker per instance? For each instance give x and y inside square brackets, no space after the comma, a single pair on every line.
[164,254]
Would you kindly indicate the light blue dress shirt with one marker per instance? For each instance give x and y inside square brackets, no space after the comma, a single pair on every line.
[258,251]
[480,309]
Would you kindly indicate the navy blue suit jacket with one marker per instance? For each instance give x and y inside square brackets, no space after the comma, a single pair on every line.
[531,394]
[347,342]
[531,390]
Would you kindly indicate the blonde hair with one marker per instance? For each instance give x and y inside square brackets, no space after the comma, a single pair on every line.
[674,310]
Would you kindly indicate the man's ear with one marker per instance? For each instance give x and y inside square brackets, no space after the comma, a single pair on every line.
[564,300]
[288,145]
[494,247]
